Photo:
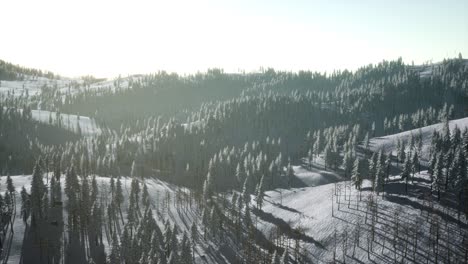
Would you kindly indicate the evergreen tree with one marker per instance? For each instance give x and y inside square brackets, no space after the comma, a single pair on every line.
[372,168]
[285,257]
[194,237]
[25,204]
[240,174]
[186,251]
[145,199]
[275,258]
[356,177]
[290,174]
[37,192]
[10,186]
[402,152]
[406,173]
[366,141]
[432,163]
[208,188]
[438,175]
[245,191]
[446,137]
[414,164]
[348,163]
[259,194]
[114,256]
[119,198]
[379,180]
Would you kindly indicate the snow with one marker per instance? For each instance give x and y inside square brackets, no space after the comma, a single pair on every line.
[88,125]
[30,85]
[315,176]
[310,209]
[426,70]
[158,191]
[33,86]
[388,143]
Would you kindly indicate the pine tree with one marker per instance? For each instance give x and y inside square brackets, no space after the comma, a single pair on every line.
[356,177]
[402,153]
[245,191]
[438,175]
[37,192]
[173,259]
[119,198]
[10,186]
[285,257]
[260,194]
[240,174]
[25,204]
[432,163]
[328,157]
[186,251]
[208,188]
[366,141]
[114,256]
[290,174]
[406,173]
[275,258]
[398,150]
[414,164]
[348,163]
[310,157]
[372,168]
[461,182]
[446,137]
[134,171]
[145,199]
[194,237]
[379,175]
[388,164]
[465,141]
[317,145]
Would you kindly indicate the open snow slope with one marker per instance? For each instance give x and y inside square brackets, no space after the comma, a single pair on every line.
[305,215]
[163,203]
[315,176]
[70,122]
[33,86]
[389,143]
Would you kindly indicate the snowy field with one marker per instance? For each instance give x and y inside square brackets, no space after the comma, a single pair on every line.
[389,143]
[306,214]
[87,125]
[163,203]
[33,86]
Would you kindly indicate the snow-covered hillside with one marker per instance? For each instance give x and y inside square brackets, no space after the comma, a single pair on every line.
[166,209]
[389,143]
[426,70]
[331,220]
[87,125]
[33,86]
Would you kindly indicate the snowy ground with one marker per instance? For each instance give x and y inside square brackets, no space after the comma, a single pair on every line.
[389,143]
[315,176]
[33,86]
[87,125]
[309,209]
[425,71]
[161,194]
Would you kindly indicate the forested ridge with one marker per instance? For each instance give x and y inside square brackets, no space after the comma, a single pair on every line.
[182,164]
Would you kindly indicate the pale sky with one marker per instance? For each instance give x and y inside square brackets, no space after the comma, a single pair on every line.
[110,37]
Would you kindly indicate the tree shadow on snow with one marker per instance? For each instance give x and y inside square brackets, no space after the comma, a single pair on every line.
[285,227]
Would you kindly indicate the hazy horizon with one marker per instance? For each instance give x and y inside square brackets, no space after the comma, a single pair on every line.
[109,38]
